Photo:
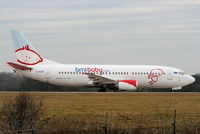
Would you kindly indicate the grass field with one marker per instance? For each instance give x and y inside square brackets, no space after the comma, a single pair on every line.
[116,104]
[127,112]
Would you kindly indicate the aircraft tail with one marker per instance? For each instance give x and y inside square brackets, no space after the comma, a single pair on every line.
[26,54]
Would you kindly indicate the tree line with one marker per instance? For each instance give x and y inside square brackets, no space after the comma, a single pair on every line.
[12,82]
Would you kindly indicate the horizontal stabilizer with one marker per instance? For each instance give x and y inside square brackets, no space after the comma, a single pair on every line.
[19,67]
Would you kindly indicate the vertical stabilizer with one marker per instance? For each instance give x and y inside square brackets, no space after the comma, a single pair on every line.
[26,54]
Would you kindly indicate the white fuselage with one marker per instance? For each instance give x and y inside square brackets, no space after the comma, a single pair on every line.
[116,77]
[75,75]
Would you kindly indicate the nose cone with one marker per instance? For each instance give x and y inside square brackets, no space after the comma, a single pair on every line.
[189,79]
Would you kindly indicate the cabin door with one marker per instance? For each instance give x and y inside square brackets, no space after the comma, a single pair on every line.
[48,75]
[170,76]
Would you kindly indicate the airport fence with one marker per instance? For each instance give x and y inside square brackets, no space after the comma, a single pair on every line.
[184,123]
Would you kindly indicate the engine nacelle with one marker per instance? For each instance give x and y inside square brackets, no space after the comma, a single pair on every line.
[129,85]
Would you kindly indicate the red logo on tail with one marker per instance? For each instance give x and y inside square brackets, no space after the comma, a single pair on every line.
[27,56]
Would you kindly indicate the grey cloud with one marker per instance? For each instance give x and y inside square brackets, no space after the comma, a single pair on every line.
[120,32]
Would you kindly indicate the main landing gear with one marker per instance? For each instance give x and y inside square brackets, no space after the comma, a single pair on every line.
[102,89]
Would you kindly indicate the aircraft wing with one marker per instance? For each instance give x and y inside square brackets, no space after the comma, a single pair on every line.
[100,80]
[18,66]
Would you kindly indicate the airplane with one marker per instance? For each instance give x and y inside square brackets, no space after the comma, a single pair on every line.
[114,77]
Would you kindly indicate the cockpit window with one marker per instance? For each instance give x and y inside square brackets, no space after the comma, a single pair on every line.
[181,73]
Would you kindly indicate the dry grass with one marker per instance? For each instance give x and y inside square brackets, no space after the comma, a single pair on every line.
[74,112]
[116,104]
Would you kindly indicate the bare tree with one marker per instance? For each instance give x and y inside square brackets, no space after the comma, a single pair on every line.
[20,113]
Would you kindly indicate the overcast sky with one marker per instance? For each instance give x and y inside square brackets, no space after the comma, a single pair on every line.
[155,32]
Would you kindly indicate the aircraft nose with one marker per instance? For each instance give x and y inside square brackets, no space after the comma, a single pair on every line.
[190,79]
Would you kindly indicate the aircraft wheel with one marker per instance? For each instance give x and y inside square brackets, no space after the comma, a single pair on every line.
[173,91]
[116,90]
[102,89]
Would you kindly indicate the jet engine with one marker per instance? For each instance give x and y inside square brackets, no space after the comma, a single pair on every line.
[128,85]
